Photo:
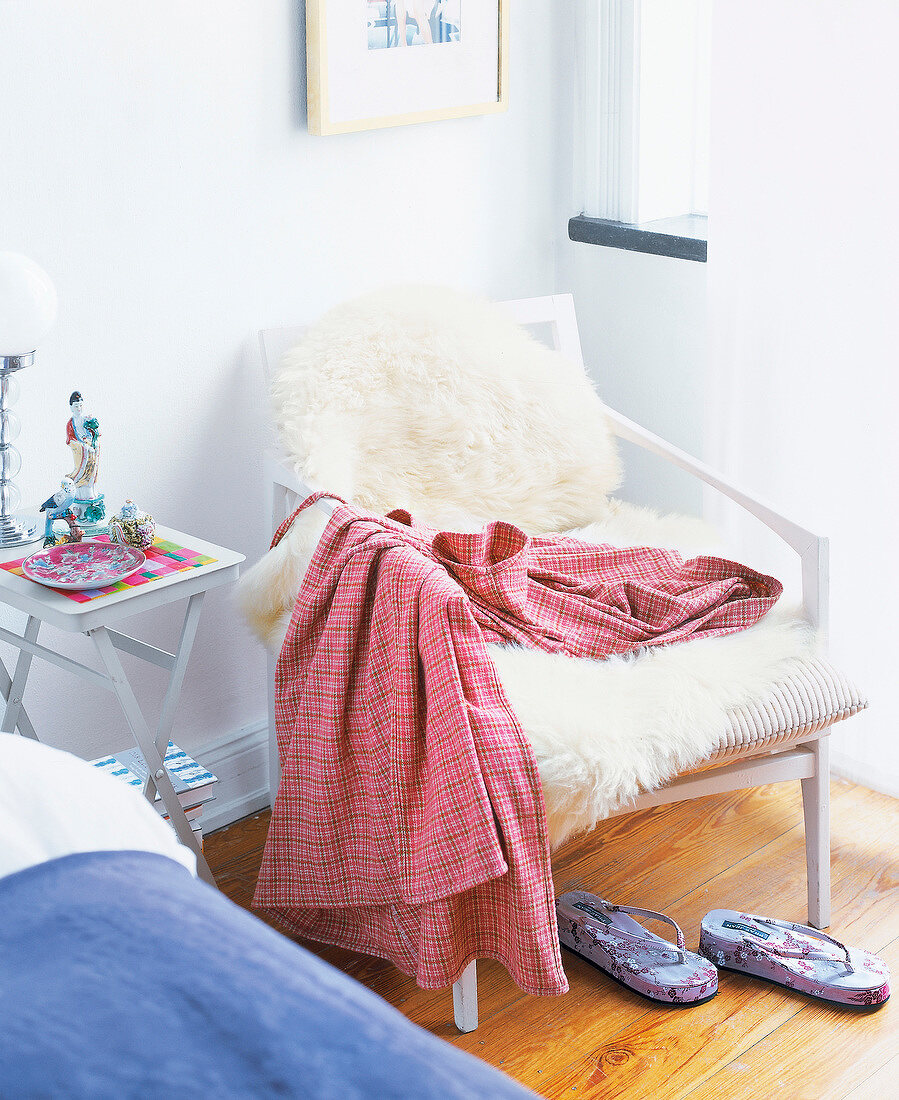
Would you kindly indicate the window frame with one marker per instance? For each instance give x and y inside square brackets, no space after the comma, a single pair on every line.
[609,158]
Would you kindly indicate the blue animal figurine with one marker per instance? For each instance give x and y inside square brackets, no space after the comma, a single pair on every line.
[56,507]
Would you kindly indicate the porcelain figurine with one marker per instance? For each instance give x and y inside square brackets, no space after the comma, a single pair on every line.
[83,438]
[132,527]
[58,506]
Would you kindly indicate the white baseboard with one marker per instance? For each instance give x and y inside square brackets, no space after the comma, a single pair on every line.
[240,760]
[865,775]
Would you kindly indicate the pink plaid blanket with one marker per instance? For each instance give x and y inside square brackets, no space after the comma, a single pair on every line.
[410,823]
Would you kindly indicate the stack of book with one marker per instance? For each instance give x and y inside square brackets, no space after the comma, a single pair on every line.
[194,784]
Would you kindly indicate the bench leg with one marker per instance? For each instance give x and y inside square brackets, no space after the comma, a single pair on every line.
[274,764]
[465,999]
[816,810]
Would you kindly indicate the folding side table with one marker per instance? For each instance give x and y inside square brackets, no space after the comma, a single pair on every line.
[95,618]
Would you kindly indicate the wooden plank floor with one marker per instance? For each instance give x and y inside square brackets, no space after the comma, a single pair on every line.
[743,850]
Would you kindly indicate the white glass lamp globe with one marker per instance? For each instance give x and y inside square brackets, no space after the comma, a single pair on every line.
[27,304]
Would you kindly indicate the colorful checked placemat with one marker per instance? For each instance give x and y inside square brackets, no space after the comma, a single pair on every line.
[163,558]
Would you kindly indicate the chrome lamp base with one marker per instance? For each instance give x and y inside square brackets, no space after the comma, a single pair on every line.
[18,530]
[15,530]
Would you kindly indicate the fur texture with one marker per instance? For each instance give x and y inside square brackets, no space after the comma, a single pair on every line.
[609,730]
[267,592]
[436,402]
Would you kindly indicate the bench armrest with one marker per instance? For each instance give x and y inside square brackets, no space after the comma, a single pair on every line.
[813,550]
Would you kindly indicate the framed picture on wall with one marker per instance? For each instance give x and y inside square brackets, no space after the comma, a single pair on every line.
[374,63]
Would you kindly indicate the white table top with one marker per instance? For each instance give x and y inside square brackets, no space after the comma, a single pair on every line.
[53,607]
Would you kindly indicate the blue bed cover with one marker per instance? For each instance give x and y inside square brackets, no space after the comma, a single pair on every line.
[122,976]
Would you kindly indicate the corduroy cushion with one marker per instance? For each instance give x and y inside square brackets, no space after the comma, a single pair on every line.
[805,703]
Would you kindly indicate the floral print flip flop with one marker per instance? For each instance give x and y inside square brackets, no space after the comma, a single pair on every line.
[795,956]
[604,935]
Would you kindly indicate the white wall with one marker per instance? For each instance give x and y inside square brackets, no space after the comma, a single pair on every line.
[803,300]
[156,163]
[642,321]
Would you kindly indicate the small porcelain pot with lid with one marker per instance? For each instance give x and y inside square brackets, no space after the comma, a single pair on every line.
[131,527]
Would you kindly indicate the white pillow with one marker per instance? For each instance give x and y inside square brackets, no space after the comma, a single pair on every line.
[53,804]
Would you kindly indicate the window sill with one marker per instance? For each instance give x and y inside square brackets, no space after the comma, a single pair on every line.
[684,238]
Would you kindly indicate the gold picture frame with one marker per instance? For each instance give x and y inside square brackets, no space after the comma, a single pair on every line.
[327,64]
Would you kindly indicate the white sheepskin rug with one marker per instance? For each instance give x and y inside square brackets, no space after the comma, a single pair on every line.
[435,401]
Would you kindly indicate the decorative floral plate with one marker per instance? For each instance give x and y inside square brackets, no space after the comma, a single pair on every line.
[88,564]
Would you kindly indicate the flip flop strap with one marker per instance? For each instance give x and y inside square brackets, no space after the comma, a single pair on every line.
[798,953]
[653,915]
[622,933]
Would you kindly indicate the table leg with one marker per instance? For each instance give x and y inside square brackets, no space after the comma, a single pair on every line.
[147,744]
[25,726]
[14,689]
[176,678]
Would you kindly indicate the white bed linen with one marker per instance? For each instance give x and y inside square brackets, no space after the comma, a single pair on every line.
[53,804]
